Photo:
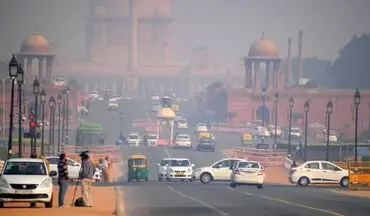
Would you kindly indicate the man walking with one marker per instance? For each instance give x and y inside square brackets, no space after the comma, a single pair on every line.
[62,178]
[86,177]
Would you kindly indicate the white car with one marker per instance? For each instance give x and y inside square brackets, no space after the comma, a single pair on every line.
[295,133]
[94,95]
[182,141]
[201,127]
[219,171]
[179,116]
[271,129]
[26,180]
[151,139]
[181,124]
[133,139]
[318,172]
[247,173]
[156,106]
[261,132]
[179,168]
[59,81]
[162,168]
[113,104]
[154,98]
[74,168]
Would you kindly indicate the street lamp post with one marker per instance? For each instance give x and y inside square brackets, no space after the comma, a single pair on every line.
[59,101]
[36,92]
[263,105]
[291,104]
[52,114]
[276,100]
[20,77]
[306,110]
[42,100]
[67,114]
[13,70]
[329,110]
[357,99]
[64,116]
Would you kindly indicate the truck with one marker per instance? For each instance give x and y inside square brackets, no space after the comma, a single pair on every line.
[88,134]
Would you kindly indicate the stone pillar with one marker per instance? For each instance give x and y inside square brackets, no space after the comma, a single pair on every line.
[41,70]
[268,75]
[277,74]
[49,67]
[248,75]
[256,83]
[29,74]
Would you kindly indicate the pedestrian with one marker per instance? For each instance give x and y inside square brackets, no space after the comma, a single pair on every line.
[106,169]
[63,178]
[86,177]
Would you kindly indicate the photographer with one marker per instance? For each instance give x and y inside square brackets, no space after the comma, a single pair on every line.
[86,176]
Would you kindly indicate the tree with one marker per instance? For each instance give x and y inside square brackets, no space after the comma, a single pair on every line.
[351,69]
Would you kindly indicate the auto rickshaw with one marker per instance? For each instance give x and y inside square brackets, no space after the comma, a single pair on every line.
[247,139]
[137,168]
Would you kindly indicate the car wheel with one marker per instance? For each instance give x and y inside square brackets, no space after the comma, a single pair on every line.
[168,179]
[205,178]
[232,184]
[50,203]
[260,186]
[190,180]
[129,179]
[159,179]
[146,179]
[303,181]
[32,205]
[1,204]
[344,182]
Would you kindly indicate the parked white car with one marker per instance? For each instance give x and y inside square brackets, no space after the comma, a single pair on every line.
[181,124]
[179,168]
[219,171]
[247,173]
[182,141]
[74,168]
[26,180]
[113,104]
[150,140]
[94,95]
[260,132]
[162,168]
[133,139]
[318,172]
[295,133]
[201,127]
[271,129]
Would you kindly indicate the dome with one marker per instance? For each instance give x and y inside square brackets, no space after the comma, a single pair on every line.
[166,113]
[263,49]
[35,43]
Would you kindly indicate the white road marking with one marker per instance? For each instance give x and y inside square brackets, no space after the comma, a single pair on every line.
[199,202]
[167,153]
[289,203]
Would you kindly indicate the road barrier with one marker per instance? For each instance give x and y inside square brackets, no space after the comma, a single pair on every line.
[359,175]
[153,129]
[163,142]
[268,157]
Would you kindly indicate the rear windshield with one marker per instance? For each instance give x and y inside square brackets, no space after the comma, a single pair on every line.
[182,136]
[137,161]
[180,163]
[249,165]
[182,121]
[25,168]
[133,137]
[152,137]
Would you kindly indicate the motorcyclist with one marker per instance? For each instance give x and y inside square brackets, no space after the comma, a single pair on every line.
[121,136]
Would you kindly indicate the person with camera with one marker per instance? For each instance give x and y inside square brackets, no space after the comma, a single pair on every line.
[63,178]
[86,176]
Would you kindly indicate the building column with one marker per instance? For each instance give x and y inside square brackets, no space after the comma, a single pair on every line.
[41,70]
[29,74]
[268,75]
[256,84]
[248,75]
[49,67]
[277,75]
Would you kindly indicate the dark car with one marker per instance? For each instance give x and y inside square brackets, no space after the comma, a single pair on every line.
[206,144]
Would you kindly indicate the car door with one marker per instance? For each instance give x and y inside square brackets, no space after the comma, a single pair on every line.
[330,173]
[221,170]
[53,164]
[313,171]
[73,169]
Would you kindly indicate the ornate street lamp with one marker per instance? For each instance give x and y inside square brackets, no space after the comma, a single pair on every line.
[64,96]
[13,70]
[329,110]
[291,104]
[67,113]
[59,101]
[357,100]
[20,80]
[42,100]
[52,118]
[263,105]
[276,100]
[306,110]
[36,92]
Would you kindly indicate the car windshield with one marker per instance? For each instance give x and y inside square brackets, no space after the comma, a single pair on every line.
[25,168]
[248,164]
[137,161]
[94,92]
[182,121]
[59,80]
[164,162]
[113,102]
[182,137]
[201,125]
[133,137]
[152,137]
[295,130]
[180,163]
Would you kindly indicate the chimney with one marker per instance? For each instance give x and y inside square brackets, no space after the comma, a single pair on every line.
[132,64]
[289,62]
[300,57]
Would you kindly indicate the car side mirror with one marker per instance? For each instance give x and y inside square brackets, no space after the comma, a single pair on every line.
[231,168]
[193,165]
[53,173]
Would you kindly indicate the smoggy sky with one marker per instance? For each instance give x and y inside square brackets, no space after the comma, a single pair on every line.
[228,27]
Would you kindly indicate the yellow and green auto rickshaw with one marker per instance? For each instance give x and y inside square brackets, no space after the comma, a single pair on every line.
[137,168]
[246,139]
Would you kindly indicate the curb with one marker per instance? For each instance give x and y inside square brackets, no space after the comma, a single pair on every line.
[120,209]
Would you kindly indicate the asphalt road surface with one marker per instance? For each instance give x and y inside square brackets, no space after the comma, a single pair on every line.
[155,198]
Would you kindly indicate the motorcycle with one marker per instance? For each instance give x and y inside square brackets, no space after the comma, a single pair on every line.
[120,141]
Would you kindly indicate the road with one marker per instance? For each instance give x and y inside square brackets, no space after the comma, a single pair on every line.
[194,198]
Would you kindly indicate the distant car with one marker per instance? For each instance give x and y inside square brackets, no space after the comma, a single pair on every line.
[295,133]
[206,144]
[179,168]
[154,97]
[150,140]
[183,141]
[318,172]
[271,129]
[218,171]
[201,127]
[113,104]
[94,95]
[156,106]
[181,124]
[162,168]
[134,139]
[59,81]
[247,173]
[26,180]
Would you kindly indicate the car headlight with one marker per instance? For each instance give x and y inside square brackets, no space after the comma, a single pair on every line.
[169,170]
[46,183]
[189,170]
[3,183]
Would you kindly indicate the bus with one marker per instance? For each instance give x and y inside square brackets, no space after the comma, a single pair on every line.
[89,135]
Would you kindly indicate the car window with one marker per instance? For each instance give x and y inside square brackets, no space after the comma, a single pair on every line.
[70,163]
[314,165]
[328,166]
[223,164]
[164,162]
[53,160]
[248,164]
[25,168]
[183,136]
[180,163]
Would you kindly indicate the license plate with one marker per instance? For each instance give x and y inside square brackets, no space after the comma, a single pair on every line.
[23,191]
[179,175]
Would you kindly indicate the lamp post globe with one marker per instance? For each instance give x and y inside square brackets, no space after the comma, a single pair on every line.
[291,102]
[42,96]
[59,98]
[67,90]
[20,75]
[306,107]
[329,107]
[357,98]
[36,86]
[276,97]
[13,67]
[263,91]
[52,102]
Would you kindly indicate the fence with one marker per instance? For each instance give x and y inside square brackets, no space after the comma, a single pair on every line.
[269,157]
[144,122]
[229,128]
[359,175]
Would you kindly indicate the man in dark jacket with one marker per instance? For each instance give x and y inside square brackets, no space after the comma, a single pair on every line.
[62,178]
[86,177]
